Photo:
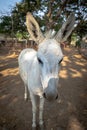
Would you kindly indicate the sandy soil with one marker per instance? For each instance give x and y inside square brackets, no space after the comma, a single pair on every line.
[69,112]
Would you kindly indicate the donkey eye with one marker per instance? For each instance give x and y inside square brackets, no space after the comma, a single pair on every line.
[60,60]
[40,61]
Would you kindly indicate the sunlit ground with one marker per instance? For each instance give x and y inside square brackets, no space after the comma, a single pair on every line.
[72,96]
[10,72]
[77,61]
[5,61]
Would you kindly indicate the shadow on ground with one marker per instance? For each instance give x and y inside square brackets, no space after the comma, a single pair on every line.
[67,113]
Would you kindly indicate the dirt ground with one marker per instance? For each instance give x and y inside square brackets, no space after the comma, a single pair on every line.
[69,112]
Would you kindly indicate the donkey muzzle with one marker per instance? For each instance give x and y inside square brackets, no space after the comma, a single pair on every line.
[51,93]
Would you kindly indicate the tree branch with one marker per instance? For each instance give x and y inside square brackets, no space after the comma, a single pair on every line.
[51,21]
[49,14]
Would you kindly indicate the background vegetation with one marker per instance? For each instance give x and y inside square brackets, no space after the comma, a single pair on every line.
[50,15]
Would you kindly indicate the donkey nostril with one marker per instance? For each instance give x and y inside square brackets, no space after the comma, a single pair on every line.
[44,95]
[57,96]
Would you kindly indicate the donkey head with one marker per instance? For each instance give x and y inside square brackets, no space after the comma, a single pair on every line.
[49,54]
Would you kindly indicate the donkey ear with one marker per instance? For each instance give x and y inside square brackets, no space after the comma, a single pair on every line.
[66,29]
[33,28]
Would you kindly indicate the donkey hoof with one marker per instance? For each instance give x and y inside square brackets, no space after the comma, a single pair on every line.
[33,128]
[42,127]
[26,99]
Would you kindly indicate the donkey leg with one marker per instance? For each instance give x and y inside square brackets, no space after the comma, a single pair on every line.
[41,111]
[34,109]
[26,93]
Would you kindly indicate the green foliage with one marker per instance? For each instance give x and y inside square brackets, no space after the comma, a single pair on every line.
[74,37]
[76,40]
[23,35]
[82,28]
[78,43]
[5,25]
[46,13]
[19,35]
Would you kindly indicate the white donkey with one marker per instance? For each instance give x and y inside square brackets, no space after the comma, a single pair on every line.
[39,69]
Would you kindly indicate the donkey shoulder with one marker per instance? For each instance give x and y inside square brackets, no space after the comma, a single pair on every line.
[27,54]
